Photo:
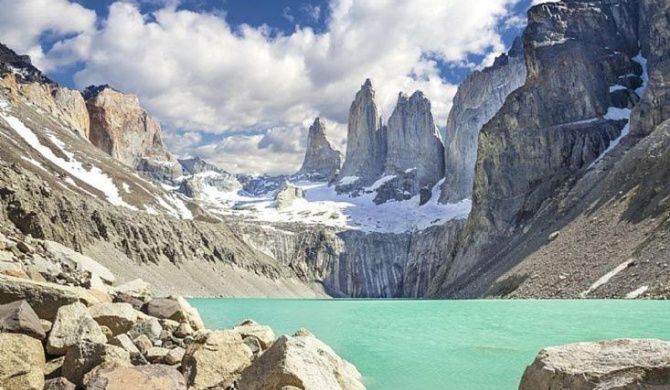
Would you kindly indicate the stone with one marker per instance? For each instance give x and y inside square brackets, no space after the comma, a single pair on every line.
[46,325]
[119,377]
[175,356]
[73,324]
[137,289]
[25,247]
[21,362]
[216,357]
[36,276]
[44,298]
[176,309]
[15,273]
[143,343]
[553,236]
[301,361]
[366,140]
[54,368]
[287,194]
[126,343]
[84,356]
[58,384]
[118,317]
[156,354]
[150,327]
[478,99]
[321,162]
[264,334]
[78,262]
[184,330]
[605,365]
[19,317]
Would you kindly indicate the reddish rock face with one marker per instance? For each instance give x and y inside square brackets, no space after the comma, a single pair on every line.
[122,128]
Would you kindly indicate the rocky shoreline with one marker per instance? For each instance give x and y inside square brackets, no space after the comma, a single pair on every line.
[65,326]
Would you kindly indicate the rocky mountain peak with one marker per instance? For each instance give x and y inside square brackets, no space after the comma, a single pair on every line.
[366,139]
[21,66]
[321,160]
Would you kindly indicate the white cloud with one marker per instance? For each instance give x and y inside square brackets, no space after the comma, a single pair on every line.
[195,72]
[24,22]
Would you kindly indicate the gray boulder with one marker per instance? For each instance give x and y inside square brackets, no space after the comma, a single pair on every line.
[21,362]
[19,317]
[287,194]
[110,376]
[84,356]
[118,317]
[73,324]
[623,364]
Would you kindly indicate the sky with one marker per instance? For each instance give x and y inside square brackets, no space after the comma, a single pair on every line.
[238,82]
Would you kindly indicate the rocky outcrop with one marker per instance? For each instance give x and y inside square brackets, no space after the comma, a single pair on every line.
[550,130]
[413,143]
[321,162]
[478,99]
[287,194]
[124,130]
[73,325]
[366,140]
[607,365]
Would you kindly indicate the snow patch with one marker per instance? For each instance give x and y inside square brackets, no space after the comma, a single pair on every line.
[126,187]
[606,278]
[380,183]
[636,293]
[645,73]
[93,177]
[617,87]
[348,180]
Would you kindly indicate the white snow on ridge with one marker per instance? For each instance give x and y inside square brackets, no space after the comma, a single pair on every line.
[324,206]
[606,278]
[348,180]
[645,73]
[93,177]
[637,292]
[379,183]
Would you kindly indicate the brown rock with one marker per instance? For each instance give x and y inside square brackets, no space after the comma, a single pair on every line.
[156,354]
[19,317]
[176,309]
[84,356]
[118,317]
[54,368]
[21,362]
[624,364]
[263,333]
[217,357]
[143,343]
[15,273]
[175,356]
[116,377]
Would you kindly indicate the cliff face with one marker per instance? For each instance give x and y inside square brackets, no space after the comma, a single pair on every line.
[414,142]
[477,100]
[586,72]
[366,140]
[124,130]
[321,161]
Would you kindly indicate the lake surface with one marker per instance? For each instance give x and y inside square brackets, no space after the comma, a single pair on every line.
[461,345]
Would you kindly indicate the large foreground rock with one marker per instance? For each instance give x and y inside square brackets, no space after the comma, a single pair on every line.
[44,298]
[215,359]
[302,361]
[19,317]
[21,362]
[623,364]
[73,324]
[83,357]
[118,377]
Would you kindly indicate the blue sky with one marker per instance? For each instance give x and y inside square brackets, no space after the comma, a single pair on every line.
[238,82]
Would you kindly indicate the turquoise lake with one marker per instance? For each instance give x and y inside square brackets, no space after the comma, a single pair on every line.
[461,345]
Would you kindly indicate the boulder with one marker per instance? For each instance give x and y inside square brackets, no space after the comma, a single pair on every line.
[84,356]
[302,361]
[213,358]
[54,368]
[175,356]
[184,329]
[156,354]
[19,317]
[58,384]
[118,317]
[143,343]
[21,362]
[623,364]
[176,309]
[287,194]
[126,343]
[73,324]
[263,333]
[137,289]
[44,298]
[78,262]
[119,377]
[150,327]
